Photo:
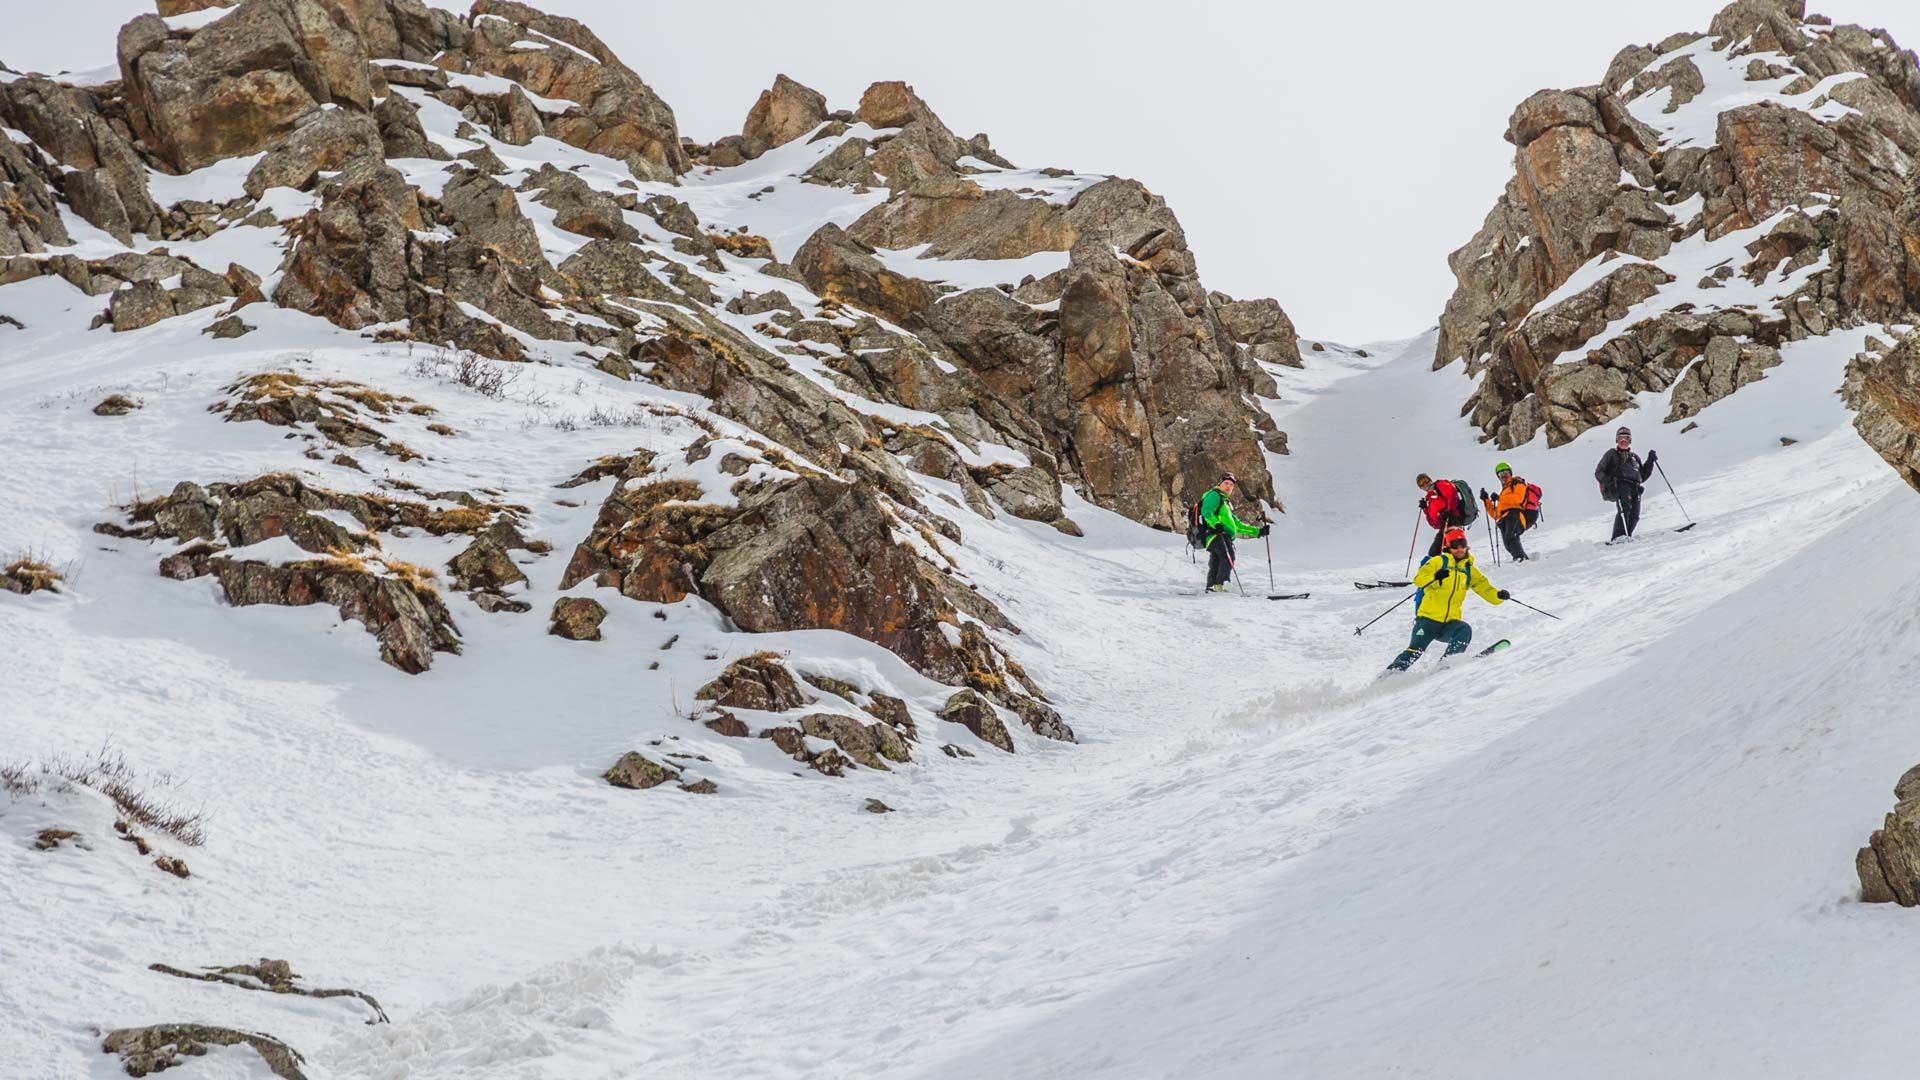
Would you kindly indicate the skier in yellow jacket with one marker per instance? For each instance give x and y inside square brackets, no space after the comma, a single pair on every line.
[1443,582]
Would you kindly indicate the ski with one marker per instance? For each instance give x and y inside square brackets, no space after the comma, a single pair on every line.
[1381,584]
[1289,596]
[1687,526]
[1498,646]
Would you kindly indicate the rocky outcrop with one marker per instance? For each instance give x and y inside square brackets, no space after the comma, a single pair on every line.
[556,57]
[803,551]
[348,263]
[32,220]
[1140,390]
[1565,308]
[396,601]
[237,85]
[1889,866]
[780,115]
[108,184]
[1884,391]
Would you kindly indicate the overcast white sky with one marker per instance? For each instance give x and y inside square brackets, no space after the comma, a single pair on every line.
[1328,154]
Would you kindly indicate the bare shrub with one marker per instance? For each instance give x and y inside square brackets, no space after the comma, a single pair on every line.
[485,377]
[108,772]
[633,416]
[19,779]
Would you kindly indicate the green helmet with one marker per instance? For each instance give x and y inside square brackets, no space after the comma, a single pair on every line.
[1503,467]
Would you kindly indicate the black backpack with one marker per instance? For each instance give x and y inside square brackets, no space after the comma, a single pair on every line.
[1196,528]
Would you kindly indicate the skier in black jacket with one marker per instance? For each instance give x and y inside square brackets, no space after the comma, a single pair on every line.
[1622,476]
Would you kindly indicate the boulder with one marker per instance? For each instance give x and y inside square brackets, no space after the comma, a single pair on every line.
[845,165]
[956,219]
[229,328]
[759,681]
[401,135]
[485,565]
[1726,367]
[578,208]
[842,269]
[139,305]
[577,618]
[619,115]
[1026,492]
[780,115]
[349,260]
[975,713]
[237,85]
[1261,326]
[115,405]
[1889,866]
[321,140]
[860,742]
[635,771]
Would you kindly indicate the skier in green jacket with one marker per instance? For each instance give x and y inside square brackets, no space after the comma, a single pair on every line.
[1216,514]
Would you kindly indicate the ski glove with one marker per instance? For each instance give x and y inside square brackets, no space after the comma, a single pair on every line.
[1440,575]
[1504,594]
[1265,529]
[1483,495]
[1653,456]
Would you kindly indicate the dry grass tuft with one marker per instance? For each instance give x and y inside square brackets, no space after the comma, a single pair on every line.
[108,772]
[30,574]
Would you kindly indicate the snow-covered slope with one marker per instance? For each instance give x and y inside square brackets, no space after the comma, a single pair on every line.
[1624,845]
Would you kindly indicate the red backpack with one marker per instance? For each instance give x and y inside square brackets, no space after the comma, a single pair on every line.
[1532,505]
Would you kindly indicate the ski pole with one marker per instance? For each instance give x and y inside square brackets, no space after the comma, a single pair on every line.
[1413,543]
[1530,607]
[1670,491]
[1270,584]
[1384,614]
[1491,546]
[1233,568]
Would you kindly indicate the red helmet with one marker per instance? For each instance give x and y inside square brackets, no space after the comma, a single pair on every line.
[1452,537]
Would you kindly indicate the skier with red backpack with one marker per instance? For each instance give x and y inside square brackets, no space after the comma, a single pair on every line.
[1516,510]
[1447,504]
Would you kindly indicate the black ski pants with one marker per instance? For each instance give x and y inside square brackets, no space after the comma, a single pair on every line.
[1219,559]
[1626,513]
[1511,526]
